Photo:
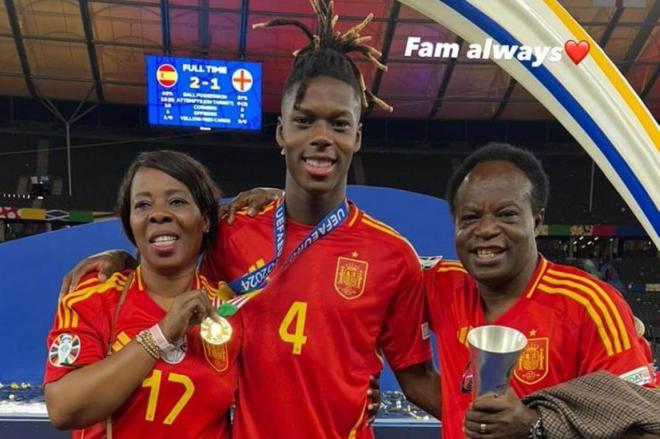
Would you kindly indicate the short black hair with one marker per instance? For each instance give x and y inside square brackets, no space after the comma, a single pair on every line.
[521,158]
[183,168]
[326,54]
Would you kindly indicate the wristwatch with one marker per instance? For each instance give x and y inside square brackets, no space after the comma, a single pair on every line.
[536,430]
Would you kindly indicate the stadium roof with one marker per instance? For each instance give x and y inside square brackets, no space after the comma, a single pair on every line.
[94,49]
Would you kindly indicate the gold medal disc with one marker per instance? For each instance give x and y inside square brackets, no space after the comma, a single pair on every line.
[216,332]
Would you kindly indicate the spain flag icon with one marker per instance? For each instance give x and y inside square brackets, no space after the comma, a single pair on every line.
[167,75]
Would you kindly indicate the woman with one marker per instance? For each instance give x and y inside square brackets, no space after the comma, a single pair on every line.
[128,349]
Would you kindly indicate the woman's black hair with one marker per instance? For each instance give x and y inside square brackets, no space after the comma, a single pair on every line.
[183,168]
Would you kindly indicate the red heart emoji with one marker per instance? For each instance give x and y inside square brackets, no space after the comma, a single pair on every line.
[576,51]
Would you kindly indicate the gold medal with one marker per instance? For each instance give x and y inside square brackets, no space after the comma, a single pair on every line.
[216,332]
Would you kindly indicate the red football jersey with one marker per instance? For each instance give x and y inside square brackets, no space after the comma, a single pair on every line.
[575,325]
[186,395]
[313,336]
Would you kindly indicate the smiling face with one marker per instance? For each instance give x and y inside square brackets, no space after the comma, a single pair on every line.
[167,225]
[319,135]
[495,226]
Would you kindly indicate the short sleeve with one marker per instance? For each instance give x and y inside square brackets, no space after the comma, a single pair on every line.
[429,285]
[80,331]
[609,341]
[441,284]
[405,337]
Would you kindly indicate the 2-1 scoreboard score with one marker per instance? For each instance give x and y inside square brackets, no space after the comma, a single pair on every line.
[202,93]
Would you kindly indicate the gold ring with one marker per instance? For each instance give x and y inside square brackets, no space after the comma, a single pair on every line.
[482,428]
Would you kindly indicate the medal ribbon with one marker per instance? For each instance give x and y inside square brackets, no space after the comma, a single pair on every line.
[257,279]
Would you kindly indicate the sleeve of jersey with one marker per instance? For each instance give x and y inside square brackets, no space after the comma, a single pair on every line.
[429,293]
[405,337]
[213,261]
[442,284]
[609,342]
[79,333]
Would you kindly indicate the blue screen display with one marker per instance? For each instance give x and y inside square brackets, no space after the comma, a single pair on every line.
[203,93]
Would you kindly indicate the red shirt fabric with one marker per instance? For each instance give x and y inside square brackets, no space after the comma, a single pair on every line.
[314,335]
[186,395]
[575,325]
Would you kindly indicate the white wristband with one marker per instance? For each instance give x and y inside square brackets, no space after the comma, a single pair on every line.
[163,344]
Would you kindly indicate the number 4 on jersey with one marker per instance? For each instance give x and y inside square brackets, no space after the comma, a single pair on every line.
[297,313]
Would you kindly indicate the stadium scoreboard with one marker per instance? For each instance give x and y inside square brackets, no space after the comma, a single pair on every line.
[203,93]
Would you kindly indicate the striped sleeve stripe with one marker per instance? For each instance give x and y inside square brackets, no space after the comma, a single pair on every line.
[122,340]
[207,285]
[211,292]
[66,315]
[595,299]
[366,219]
[380,223]
[268,208]
[590,310]
[605,296]
[64,311]
[446,269]
[86,283]
[379,227]
[446,266]
[219,291]
[79,287]
[73,322]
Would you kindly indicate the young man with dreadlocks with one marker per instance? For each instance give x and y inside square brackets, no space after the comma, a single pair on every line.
[316,330]
[342,286]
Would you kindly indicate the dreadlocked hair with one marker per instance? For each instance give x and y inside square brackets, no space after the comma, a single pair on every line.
[326,53]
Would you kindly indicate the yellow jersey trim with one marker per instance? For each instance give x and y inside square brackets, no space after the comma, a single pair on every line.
[614,311]
[590,310]
[382,227]
[590,294]
[353,433]
[448,265]
[67,317]
[539,276]
[446,269]
[268,208]
[355,216]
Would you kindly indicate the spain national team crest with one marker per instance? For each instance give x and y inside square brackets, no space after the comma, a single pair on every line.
[350,277]
[64,350]
[533,362]
[216,355]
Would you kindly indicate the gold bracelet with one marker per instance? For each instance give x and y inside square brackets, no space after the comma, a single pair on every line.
[146,340]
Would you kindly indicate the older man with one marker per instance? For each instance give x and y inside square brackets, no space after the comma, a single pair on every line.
[575,324]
